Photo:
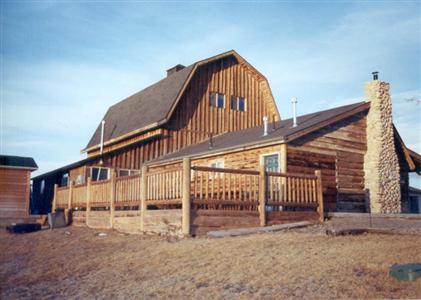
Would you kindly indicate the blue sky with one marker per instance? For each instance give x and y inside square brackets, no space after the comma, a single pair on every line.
[64,63]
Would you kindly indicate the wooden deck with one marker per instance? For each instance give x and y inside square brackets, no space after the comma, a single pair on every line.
[208,198]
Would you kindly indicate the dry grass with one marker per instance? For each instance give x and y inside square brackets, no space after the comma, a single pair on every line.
[51,264]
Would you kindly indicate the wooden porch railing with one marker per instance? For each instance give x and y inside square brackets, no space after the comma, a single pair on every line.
[127,190]
[200,187]
[291,190]
[164,188]
[234,189]
[228,189]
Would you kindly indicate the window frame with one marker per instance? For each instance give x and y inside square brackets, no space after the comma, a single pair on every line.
[236,100]
[80,179]
[215,103]
[99,173]
[130,172]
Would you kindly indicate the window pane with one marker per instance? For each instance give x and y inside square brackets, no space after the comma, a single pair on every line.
[103,175]
[221,100]
[241,104]
[212,99]
[271,163]
[124,173]
[94,174]
[80,179]
[233,102]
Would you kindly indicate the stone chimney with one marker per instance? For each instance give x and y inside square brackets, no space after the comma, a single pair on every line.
[381,166]
[175,69]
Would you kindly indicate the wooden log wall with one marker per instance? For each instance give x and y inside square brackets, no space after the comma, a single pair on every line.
[338,151]
[208,220]
[194,119]
[243,159]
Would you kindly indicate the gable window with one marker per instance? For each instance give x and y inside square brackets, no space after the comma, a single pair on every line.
[217,100]
[99,173]
[238,103]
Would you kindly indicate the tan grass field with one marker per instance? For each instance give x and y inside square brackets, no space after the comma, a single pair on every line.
[51,264]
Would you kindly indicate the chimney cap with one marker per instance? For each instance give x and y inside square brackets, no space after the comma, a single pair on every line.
[375,75]
[174,69]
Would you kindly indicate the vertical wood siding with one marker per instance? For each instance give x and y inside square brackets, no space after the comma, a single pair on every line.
[14,192]
[194,119]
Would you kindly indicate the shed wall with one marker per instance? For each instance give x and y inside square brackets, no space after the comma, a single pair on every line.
[14,192]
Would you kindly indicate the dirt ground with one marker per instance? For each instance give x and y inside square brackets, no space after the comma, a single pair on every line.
[294,264]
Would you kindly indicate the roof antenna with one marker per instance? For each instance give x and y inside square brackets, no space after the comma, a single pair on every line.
[294,111]
[211,141]
[265,126]
[273,122]
[375,75]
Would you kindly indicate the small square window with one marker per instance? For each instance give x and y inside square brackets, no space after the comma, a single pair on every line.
[238,103]
[217,100]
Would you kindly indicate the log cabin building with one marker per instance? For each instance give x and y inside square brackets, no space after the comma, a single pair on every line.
[220,112]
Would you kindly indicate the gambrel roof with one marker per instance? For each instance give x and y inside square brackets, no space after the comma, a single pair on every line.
[153,106]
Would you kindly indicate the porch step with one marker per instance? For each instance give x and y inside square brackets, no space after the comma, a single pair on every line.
[252,230]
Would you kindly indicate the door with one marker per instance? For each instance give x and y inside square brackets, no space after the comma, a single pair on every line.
[271,162]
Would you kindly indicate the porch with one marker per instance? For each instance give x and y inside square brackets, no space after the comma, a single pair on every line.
[187,199]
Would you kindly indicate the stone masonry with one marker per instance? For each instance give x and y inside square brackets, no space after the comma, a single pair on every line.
[381,165]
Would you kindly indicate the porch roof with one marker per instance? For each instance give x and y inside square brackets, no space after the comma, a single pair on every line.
[280,132]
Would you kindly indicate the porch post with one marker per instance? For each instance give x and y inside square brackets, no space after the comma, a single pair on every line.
[112,197]
[53,208]
[283,165]
[143,194]
[262,195]
[69,204]
[88,199]
[320,208]
[186,196]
